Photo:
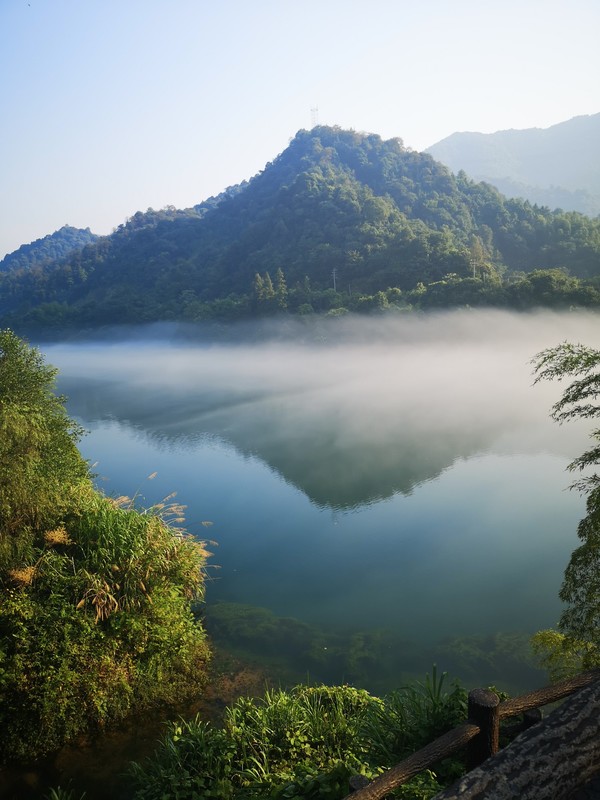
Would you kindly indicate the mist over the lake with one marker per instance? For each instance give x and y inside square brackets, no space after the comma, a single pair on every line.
[366,380]
[397,474]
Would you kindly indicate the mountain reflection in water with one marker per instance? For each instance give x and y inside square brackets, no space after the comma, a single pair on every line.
[401,476]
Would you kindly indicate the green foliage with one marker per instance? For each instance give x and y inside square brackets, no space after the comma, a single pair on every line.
[415,715]
[53,247]
[305,743]
[63,794]
[97,625]
[581,585]
[40,466]
[94,595]
[578,646]
[562,655]
[580,400]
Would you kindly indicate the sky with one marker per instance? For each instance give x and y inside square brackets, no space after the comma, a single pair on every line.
[109,107]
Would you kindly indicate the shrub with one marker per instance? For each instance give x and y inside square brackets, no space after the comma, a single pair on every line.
[303,744]
[95,595]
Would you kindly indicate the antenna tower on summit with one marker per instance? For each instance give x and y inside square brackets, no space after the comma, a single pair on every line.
[314,116]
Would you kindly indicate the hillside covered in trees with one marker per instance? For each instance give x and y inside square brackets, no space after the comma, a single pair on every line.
[54,247]
[339,220]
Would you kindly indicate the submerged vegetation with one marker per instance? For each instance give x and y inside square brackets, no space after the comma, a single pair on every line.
[94,595]
[373,659]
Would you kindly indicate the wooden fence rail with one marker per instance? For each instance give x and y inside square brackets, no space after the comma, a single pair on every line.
[480,733]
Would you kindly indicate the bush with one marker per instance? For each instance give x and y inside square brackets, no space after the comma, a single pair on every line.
[95,596]
[301,744]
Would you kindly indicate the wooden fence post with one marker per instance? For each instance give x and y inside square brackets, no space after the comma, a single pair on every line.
[482,730]
[484,710]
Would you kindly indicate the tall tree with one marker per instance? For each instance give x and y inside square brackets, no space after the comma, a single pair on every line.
[281,290]
[578,644]
[258,288]
[269,291]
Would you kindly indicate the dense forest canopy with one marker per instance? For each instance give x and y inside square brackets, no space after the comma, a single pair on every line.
[50,248]
[339,221]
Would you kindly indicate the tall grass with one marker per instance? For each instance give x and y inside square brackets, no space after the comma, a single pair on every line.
[97,624]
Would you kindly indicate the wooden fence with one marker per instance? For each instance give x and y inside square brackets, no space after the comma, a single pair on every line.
[479,733]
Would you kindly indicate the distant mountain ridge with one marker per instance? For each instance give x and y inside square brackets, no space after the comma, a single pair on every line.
[52,247]
[558,167]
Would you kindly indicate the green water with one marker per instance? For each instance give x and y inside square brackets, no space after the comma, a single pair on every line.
[388,498]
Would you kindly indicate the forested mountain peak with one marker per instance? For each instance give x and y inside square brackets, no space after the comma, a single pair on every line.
[49,248]
[365,158]
[338,220]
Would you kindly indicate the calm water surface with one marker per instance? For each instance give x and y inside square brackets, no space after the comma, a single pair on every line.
[397,486]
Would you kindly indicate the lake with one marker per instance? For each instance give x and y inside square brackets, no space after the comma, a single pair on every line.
[380,494]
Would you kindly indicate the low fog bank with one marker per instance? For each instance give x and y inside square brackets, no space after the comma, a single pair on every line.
[465,364]
[318,330]
[368,408]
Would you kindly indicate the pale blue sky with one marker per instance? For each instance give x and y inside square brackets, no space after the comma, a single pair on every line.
[112,106]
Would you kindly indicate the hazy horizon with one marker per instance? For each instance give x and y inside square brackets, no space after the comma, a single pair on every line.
[112,108]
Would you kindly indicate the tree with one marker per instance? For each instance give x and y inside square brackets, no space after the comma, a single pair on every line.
[580,400]
[578,643]
[477,256]
[269,291]
[258,288]
[281,289]
[39,460]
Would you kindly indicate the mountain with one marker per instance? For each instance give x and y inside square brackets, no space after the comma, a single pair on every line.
[334,464]
[558,167]
[54,247]
[339,220]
